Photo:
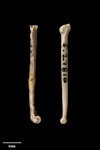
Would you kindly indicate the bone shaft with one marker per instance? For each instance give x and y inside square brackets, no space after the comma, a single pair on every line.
[65,100]
[32,68]
[64,76]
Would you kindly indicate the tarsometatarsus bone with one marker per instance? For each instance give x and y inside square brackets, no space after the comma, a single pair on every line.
[32,74]
[64,31]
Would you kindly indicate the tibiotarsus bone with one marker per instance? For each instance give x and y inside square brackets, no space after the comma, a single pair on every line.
[64,31]
[32,74]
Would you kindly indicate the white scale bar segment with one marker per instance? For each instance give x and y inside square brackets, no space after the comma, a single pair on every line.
[11,142]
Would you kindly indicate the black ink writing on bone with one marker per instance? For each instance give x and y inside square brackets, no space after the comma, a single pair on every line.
[64,74]
[65,45]
[64,69]
[65,63]
[65,80]
[64,56]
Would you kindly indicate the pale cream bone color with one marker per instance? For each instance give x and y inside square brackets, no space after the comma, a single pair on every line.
[32,74]
[64,31]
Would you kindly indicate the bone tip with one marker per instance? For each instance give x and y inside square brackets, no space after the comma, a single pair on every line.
[35,119]
[63,120]
[33,27]
[63,28]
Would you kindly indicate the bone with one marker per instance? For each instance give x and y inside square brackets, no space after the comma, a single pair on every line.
[64,31]
[32,74]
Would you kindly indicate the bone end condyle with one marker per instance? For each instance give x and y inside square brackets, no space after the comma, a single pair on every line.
[33,27]
[35,119]
[63,120]
[65,27]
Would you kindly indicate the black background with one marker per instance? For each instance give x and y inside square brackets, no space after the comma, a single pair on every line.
[15,120]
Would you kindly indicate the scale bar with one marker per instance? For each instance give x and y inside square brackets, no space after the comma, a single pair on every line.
[11,142]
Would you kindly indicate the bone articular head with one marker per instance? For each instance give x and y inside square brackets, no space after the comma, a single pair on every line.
[63,120]
[35,119]
[65,28]
[33,27]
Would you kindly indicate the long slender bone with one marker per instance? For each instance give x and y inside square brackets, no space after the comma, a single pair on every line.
[64,31]
[32,74]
